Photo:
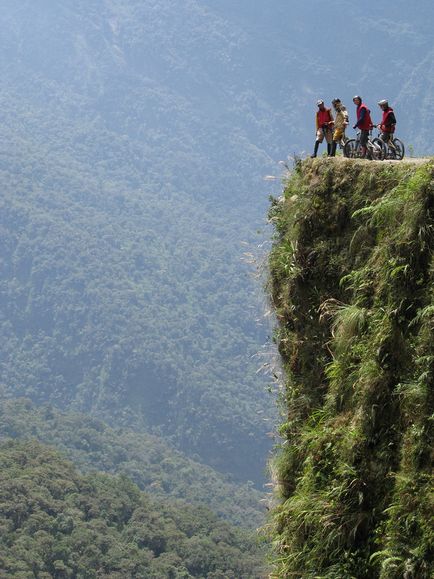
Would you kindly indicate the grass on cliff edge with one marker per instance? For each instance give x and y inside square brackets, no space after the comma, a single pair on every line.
[352,282]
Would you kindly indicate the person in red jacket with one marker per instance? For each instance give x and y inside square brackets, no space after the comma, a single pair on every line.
[324,127]
[364,122]
[388,122]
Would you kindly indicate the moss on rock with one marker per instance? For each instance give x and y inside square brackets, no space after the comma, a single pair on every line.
[352,282]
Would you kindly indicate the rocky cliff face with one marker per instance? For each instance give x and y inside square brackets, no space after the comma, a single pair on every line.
[352,284]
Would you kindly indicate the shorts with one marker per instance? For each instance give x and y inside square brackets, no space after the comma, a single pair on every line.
[386,136]
[364,136]
[321,133]
[338,134]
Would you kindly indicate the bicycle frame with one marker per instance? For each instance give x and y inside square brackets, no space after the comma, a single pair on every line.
[395,148]
[374,147]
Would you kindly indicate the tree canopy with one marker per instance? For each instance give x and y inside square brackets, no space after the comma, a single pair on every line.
[57,523]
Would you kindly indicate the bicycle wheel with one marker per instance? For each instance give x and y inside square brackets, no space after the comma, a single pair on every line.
[399,149]
[378,150]
[352,149]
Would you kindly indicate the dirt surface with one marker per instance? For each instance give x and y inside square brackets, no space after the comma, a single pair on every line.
[408,160]
[413,160]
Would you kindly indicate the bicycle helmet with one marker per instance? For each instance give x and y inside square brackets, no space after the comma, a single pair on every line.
[336,101]
[357,97]
[383,103]
[319,102]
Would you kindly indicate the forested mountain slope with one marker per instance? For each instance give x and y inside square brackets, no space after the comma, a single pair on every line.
[352,283]
[104,312]
[145,459]
[134,136]
[123,293]
[58,523]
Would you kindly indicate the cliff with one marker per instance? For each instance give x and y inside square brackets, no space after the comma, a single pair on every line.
[352,284]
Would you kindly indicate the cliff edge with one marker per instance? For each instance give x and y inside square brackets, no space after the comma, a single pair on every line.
[351,279]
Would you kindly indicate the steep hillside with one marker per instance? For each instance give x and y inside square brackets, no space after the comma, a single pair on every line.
[147,460]
[105,313]
[352,282]
[123,291]
[57,523]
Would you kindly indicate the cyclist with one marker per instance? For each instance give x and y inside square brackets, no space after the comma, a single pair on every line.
[388,122]
[364,122]
[324,124]
[340,124]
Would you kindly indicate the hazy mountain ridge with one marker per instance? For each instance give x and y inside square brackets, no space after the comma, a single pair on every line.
[82,292]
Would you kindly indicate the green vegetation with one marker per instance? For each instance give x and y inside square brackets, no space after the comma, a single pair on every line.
[55,522]
[352,283]
[145,459]
[104,313]
[133,142]
[123,293]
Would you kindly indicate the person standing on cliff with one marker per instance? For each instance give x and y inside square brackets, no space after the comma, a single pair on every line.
[340,124]
[364,122]
[388,122]
[324,127]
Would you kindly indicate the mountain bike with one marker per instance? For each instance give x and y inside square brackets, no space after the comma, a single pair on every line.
[395,149]
[375,148]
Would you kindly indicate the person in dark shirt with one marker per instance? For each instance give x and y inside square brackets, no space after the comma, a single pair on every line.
[388,122]
[364,122]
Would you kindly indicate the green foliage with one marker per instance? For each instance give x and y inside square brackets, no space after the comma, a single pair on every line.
[355,314]
[58,523]
[115,305]
[147,460]
[133,142]
[124,206]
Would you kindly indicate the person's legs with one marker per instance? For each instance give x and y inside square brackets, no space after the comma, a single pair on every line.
[337,136]
[319,140]
[329,139]
[363,142]
[387,138]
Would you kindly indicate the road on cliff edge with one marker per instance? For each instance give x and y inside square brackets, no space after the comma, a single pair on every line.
[412,160]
